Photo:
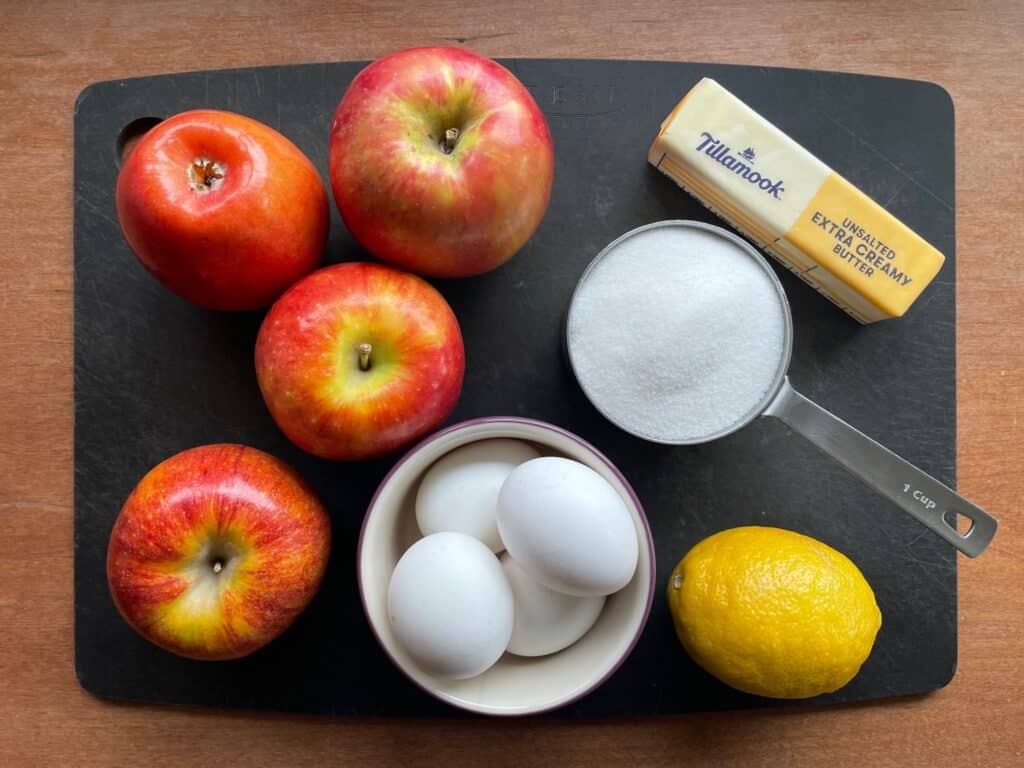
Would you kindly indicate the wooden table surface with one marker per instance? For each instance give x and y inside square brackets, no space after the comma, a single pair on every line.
[50,50]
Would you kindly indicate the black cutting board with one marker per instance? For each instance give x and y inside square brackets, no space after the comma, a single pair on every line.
[154,375]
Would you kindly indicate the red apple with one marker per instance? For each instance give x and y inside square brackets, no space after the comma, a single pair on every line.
[357,360]
[441,161]
[216,551]
[222,209]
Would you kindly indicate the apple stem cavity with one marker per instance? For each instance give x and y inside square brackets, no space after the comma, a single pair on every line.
[364,350]
[450,137]
[205,175]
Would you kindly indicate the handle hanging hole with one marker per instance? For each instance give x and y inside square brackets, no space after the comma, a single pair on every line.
[962,524]
[130,136]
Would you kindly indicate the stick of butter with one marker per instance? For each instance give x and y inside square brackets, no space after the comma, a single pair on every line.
[820,226]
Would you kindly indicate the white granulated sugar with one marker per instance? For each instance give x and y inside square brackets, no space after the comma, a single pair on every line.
[676,334]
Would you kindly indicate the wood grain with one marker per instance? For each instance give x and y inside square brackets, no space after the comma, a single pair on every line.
[50,51]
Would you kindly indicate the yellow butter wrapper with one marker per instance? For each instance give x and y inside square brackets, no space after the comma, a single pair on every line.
[807,216]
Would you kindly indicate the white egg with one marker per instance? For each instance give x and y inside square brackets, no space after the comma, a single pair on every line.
[567,527]
[545,621]
[450,605]
[460,491]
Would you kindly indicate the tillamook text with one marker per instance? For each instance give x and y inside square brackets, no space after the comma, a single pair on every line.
[719,152]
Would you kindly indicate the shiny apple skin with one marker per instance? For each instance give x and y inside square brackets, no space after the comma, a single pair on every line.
[234,247]
[217,500]
[307,361]
[409,203]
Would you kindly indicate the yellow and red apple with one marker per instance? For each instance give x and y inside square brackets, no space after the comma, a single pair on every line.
[440,160]
[217,551]
[222,209]
[358,360]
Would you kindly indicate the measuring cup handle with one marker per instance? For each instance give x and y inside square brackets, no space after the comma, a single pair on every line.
[898,480]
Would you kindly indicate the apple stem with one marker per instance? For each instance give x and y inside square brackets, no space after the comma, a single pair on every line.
[364,356]
[205,175]
[218,566]
[450,137]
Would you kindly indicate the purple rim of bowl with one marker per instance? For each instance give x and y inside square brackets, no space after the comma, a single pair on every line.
[614,470]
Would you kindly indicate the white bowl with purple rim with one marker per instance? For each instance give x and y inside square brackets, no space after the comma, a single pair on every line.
[515,685]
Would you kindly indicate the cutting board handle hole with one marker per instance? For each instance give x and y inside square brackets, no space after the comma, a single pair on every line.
[130,135]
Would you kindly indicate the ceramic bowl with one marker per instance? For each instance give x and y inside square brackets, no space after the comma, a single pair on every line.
[515,685]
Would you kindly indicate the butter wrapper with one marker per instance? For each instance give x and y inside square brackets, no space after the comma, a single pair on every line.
[807,216]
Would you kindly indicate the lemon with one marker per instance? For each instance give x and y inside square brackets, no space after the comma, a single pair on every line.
[773,613]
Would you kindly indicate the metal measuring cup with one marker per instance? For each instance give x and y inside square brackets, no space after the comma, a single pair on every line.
[913,490]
